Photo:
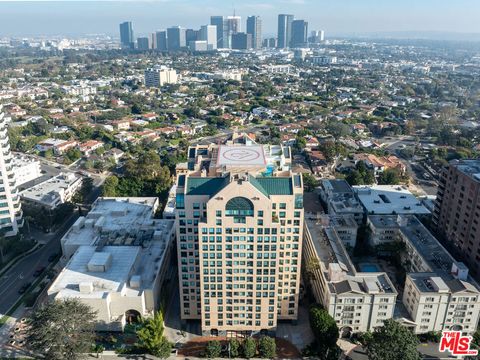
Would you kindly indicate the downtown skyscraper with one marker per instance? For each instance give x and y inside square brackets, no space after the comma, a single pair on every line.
[284,30]
[176,38]
[208,33]
[226,27]
[254,28]
[126,35]
[161,40]
[299,33]
[219,23]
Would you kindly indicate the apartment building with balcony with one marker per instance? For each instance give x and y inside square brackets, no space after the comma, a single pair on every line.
[10,206]
[438,293]
[358,301]
[239,217]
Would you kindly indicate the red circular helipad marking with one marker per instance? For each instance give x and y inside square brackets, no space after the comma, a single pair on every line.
[241,155]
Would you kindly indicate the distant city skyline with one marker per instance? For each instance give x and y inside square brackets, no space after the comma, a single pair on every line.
[23,18]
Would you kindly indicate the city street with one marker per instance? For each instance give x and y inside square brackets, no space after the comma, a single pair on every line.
[22,272]
[415,170]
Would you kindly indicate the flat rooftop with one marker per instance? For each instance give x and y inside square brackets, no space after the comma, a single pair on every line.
[470,167]
[49,190]
[389,199]
[337,186]
[252,155]
[19,159]
[331,251]
[117,247]
[437,258]
[76,272]
[345,203]
[339,221]
[117,221]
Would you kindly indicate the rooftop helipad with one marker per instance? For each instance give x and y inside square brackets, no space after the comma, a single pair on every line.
[241,155]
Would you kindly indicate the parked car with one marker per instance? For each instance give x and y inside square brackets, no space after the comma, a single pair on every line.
[38,271]
[24,288]
[52,257]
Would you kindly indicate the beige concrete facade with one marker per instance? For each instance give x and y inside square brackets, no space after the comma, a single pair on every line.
[115,260]
[239,218]
[358,301]
[438,293]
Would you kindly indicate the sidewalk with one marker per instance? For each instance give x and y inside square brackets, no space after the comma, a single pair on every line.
[7,334]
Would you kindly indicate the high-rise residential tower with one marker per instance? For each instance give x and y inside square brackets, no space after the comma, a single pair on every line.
[457,210]
[284,30]
[254,28]
[10,206]
[126,35]
[239,216]
[299,33]
[176,38]
[159,76]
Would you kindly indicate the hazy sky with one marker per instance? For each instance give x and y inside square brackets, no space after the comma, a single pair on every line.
[334,16]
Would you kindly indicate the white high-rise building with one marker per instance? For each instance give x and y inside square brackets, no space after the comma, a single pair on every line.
[10,207]
[159,76]
[321,35]
[208,33]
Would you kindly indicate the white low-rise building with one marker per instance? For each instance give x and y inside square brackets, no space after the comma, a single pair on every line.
[117,258]
[52,192]
[438,294]
[26,168]
[79,90]
[340,199]
[389,199]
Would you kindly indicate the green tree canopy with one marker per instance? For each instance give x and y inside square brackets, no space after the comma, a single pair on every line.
[392,341]
[150,337]
[249,348]
[213,349]
[110,186]
[234,346]
[62,330]
[309,182]
[389,177]
[267,347]
[324,327]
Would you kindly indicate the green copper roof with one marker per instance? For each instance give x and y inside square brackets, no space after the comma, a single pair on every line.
[267,185]
[205,186]
[273,185]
